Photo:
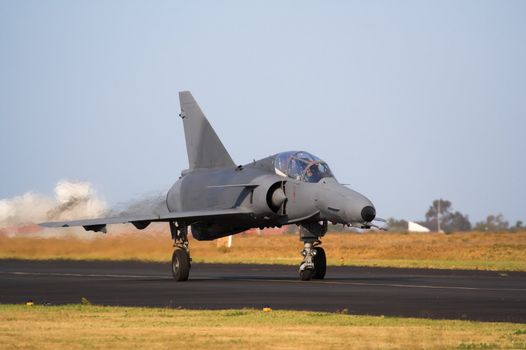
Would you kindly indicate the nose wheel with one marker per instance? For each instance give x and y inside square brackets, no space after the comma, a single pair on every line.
[320,264]
[314,264]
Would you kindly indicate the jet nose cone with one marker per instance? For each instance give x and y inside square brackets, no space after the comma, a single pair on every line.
[368,213]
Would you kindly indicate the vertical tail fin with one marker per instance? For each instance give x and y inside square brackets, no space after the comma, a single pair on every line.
[205,149]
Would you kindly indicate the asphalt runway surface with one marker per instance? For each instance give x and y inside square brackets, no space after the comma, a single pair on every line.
[443,294]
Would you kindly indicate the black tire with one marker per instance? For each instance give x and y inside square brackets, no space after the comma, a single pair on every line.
[180,265]
[306,275]
[320,264]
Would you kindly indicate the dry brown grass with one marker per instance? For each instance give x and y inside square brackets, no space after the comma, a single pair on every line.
[490,251]
[78,327]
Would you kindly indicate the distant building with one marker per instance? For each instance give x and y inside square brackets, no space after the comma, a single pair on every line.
[414,227]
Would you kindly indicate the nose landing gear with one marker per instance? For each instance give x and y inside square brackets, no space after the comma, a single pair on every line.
[314,264]
[307,265]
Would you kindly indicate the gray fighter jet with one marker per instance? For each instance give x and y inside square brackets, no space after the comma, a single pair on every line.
[217,198]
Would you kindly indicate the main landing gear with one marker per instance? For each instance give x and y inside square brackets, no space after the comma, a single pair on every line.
[181,255]
[314,264]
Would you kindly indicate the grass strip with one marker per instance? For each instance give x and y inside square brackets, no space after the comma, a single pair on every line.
[87,326]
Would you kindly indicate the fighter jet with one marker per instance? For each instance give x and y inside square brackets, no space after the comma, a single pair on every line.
[215,197]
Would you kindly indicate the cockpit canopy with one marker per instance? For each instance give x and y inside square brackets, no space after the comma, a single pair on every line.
[302,166]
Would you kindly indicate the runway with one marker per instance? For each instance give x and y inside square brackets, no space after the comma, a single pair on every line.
[449,294]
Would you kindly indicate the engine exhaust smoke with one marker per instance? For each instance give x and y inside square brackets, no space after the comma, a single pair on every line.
[72,200]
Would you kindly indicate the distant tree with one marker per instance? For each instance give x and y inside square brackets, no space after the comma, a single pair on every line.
[442,211]
[439,209]
[493,223]
[397,225]
[457,222]
[519,226]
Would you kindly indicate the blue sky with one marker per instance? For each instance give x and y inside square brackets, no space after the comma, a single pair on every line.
[407,101]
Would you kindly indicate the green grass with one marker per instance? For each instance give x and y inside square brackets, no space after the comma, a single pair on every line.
[87,326]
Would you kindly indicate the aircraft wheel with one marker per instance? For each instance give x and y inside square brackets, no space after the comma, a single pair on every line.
[180,265]
[306,275]
[320,263]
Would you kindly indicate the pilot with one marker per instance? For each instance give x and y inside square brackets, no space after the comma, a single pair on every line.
[313,173]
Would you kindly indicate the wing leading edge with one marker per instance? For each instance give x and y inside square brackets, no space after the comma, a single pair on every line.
[141,222]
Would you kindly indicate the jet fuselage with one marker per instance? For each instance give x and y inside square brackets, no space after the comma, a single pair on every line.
[253,186]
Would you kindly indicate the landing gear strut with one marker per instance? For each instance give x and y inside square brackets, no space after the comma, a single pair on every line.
[314,264]
[181,255]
